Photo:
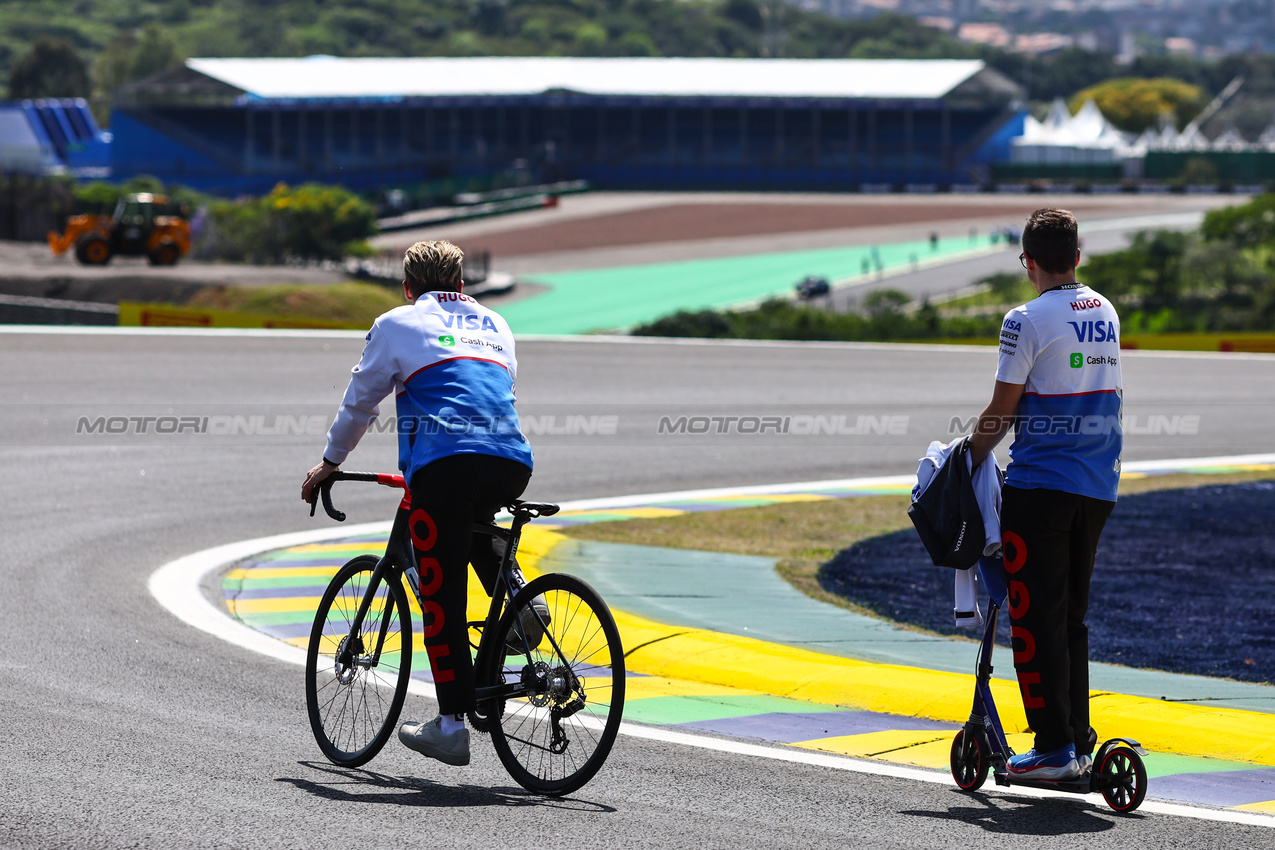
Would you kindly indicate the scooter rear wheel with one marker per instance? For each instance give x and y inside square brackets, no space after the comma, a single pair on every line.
[1122,779]
[969,761]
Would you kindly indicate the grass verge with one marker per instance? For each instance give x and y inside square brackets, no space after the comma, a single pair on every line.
[803,536]
[352,303]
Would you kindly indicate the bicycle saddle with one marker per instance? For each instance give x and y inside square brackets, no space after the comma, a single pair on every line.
[535,508]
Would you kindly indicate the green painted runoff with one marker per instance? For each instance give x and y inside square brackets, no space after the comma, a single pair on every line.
[606,299]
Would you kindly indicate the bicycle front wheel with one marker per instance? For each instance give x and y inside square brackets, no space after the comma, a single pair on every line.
[355,682]
[559,640]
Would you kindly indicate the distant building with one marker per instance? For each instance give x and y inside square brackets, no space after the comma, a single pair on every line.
[1040,43]
[52,137]
[938,22]
[241,125]
[994,35]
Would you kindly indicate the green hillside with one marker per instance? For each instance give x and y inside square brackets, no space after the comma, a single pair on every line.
[62,48]
[113,33]
[465,27]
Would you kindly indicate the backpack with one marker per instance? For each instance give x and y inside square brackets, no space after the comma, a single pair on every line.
[946,513]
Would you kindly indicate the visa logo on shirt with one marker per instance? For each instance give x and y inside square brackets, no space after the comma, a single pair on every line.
[1094,331]
[469,322]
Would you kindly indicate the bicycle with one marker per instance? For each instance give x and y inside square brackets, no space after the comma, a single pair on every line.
[552,705]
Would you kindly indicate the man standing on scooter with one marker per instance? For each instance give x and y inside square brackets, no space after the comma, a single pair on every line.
[1058,383]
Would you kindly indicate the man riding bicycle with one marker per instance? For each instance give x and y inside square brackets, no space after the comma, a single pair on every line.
[450,363]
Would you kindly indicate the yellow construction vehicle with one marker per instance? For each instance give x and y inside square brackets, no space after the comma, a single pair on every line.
[134,230]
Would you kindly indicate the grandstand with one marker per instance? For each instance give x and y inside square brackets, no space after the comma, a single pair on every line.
[52,136]
[236,125]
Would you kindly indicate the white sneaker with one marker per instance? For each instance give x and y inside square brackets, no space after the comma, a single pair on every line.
[429,739]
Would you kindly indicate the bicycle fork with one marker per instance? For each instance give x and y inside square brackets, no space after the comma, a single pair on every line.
[388,564]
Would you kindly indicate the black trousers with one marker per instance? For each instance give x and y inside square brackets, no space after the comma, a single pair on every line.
[1050,538]
[448,496]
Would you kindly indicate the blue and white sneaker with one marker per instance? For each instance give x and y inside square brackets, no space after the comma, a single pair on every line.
[1055,765]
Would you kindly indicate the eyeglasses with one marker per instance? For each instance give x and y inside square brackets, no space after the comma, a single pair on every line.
[1022,258]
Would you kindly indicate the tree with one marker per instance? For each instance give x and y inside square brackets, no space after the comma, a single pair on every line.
[51,68]
[131,56]
[155,52]
[1005,286]
[312,222]
[1134,104]
[746,13]
[1054,75]
[1248,224]
[882,302]
[1145,277]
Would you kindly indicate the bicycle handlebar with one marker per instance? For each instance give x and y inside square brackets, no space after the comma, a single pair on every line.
[324,489]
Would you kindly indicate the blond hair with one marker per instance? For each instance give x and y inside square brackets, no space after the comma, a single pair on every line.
[433,267]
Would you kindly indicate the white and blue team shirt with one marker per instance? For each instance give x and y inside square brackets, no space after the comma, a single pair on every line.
[1064,347]
[450,363]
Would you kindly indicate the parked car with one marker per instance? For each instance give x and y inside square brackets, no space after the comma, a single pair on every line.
[813,286]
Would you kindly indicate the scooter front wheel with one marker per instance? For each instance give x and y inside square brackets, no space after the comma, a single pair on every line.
[1122,779]
[969,761]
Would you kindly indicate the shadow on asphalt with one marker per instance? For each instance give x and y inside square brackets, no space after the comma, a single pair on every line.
[1023,817]
[365,786]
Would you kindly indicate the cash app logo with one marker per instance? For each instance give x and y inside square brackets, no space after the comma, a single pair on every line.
[1077,360]
[451,340]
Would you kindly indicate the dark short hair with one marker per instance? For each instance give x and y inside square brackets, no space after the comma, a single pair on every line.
[1050,239]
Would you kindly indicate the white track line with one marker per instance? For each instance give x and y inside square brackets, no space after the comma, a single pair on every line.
[177,586]
[593,339]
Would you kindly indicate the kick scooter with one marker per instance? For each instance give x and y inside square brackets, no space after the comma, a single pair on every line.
[1117,771]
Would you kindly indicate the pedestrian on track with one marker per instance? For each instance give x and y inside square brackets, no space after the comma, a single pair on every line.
[1058,384]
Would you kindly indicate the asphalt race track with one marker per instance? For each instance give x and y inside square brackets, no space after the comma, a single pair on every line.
[126,727]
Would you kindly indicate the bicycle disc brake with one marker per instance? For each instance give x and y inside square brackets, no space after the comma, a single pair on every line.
[346,661]
[536,681]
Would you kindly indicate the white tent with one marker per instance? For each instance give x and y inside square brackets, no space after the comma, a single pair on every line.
[1267,139]
[1230,140]
[1063,138]
[1191,139]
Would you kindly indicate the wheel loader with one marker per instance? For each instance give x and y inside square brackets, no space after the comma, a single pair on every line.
[133,230]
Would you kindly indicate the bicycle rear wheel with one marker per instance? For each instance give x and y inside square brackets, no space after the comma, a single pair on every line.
[355,683]
[556,738]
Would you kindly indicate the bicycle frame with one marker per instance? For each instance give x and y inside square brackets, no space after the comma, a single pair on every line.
[398,561]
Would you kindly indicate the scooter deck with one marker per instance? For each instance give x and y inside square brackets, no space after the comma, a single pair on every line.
[1080,785]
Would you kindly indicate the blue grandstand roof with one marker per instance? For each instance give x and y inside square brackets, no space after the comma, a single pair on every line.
[324,77]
